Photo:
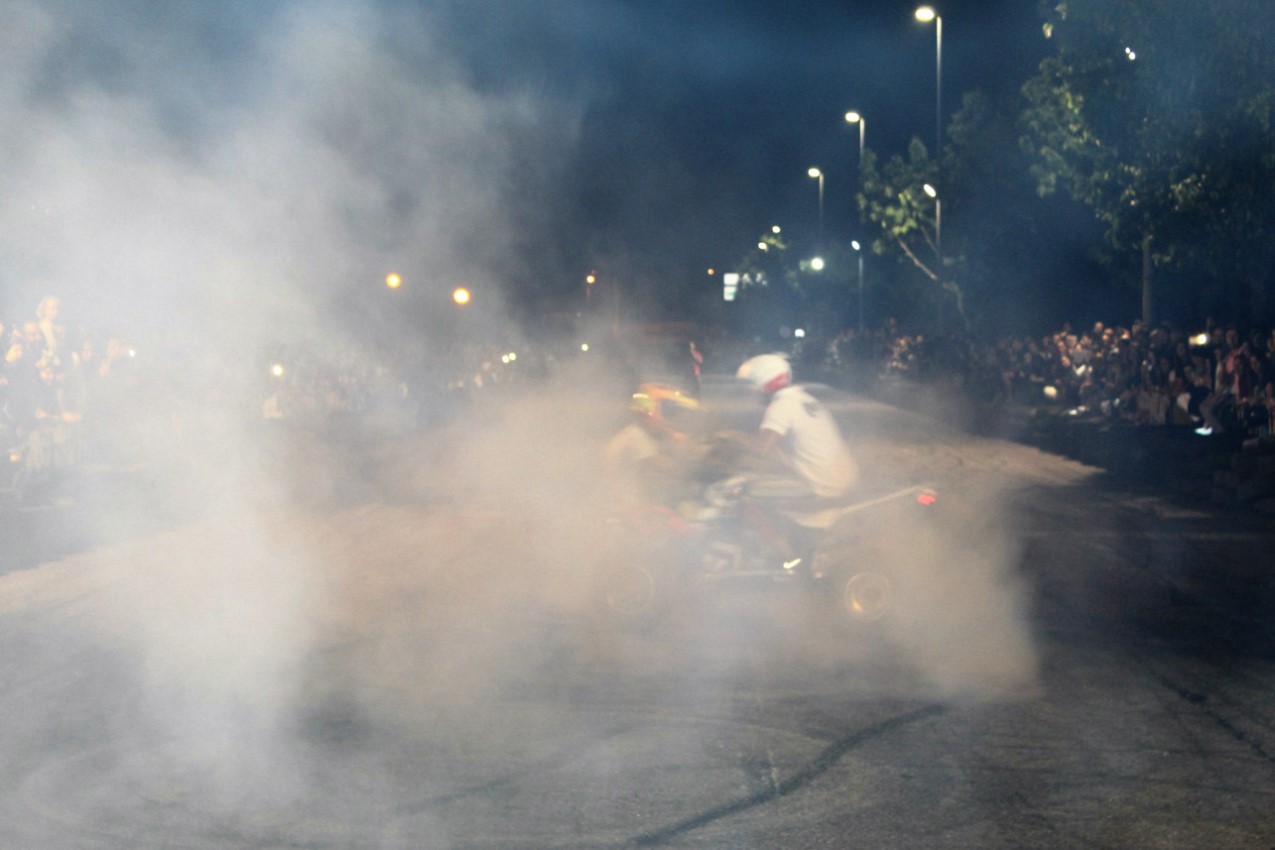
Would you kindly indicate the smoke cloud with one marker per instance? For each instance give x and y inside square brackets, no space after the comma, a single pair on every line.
[214,184]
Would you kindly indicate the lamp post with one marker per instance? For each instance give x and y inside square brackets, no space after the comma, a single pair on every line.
[818,175]
[925,14]
[858,249]
[853,117]
[938,223]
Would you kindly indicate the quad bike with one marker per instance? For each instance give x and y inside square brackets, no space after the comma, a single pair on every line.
[847,557]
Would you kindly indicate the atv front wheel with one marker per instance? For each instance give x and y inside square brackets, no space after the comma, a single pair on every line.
[628,596]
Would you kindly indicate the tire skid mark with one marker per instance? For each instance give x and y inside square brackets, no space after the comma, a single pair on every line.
[819,766]
[1184,593]
[1200,701]
[1138,657]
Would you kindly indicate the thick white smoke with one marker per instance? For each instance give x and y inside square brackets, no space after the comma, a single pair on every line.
[209,183]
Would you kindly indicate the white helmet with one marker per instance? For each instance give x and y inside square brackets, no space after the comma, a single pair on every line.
[766,372]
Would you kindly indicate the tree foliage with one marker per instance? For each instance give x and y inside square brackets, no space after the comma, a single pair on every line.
[909,220]
[1157,115]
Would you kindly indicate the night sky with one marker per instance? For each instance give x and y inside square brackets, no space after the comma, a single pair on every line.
[701,119]
[186,160]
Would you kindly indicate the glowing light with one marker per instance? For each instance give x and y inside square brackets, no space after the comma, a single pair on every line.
[925,14]
[1200,339]
[1129,51]
[584,346]
[1051,392]
[763,246]
[814,172]
[775,229]
[800,333]
[853,117]
[513,355]
[817,264]
[591,279]
[854,243]
[393,281]
[277,370]
[930,190]
[504,358]
[461,296]
[927,498]
[712,272]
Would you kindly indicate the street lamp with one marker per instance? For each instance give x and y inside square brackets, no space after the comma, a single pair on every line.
[461,296]
[858,249]
[853,117]
[938,223]
[818,175]
[925,14]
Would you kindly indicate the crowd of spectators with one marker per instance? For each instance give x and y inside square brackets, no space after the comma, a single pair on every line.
[50,378]
[67,395]
[1214,380]
[1220,379]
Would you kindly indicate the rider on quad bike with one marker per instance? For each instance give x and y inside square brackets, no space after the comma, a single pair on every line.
[654,456]
[798,431]
[799,437]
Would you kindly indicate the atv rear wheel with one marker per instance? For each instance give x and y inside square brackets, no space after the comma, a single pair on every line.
[865,597]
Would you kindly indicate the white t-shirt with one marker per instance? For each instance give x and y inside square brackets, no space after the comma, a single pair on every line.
[811,440]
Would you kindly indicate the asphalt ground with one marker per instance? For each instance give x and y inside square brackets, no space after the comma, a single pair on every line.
[381,643]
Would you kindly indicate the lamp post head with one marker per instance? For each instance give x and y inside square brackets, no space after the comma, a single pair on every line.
[854,243]
[814,172]
[853,117]
[925,14]
[931,191]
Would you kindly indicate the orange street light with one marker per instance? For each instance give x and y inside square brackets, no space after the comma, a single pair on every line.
[393,281]
[461,296]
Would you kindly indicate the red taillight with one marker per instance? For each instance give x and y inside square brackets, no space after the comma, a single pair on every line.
[927,498]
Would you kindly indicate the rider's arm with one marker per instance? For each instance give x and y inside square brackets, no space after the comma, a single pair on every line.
[764,446]
[767,442]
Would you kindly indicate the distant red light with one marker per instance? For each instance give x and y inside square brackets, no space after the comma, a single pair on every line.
[926,498]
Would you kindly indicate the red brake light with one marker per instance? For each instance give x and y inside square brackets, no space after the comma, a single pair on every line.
[927,498]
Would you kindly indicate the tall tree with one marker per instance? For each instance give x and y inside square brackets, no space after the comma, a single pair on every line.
[1157,114]
[895,199]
